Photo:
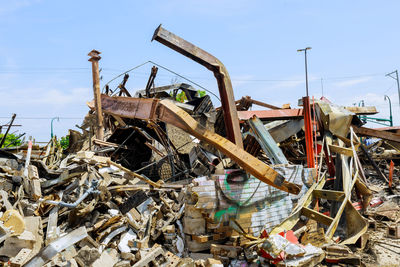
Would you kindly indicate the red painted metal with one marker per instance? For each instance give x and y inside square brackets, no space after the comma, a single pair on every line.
[329,162]
[308,132]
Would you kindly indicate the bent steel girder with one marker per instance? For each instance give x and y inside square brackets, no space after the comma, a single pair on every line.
[220,72]
[168,112]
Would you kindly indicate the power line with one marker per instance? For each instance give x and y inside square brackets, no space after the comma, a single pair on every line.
[43,118]
[165,68]
[85,69]
[389,89]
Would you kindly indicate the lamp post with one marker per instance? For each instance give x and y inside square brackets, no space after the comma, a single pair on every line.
[305,63]
[390,108]
[397,80]
[58,119]
[307,119]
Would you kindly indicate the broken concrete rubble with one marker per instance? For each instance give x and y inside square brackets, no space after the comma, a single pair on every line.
[154,180]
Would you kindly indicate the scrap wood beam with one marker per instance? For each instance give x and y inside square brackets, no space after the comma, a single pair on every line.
[363,131]
[220,72]
[276,114]
[166,111]
[369,110]
[246,102]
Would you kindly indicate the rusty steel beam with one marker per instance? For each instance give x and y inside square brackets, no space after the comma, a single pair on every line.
[220,72]
[276,114]
[166,111]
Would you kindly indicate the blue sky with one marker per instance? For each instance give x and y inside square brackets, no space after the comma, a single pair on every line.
[44,72]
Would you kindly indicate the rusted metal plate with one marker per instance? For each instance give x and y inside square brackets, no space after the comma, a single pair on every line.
[139,108]
[276,114]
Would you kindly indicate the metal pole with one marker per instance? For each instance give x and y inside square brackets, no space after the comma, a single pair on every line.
[307,118]
[390,108]
[398,85]
[94,58]
[397,80]
[305,63]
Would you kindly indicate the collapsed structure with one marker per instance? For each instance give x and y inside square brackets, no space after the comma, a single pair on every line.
[152,181]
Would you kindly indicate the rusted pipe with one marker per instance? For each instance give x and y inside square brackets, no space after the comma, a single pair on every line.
[94,58]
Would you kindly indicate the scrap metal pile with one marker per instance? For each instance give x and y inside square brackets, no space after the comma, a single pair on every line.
[153,181]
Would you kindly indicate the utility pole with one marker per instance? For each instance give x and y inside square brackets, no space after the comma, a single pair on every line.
[397,79]
[94,58]
[305,63]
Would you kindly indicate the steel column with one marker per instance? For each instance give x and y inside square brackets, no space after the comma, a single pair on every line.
[94,58]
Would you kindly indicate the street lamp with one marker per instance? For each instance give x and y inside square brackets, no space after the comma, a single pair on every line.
[390,108]
[307,119]
[58,119]
[305,62]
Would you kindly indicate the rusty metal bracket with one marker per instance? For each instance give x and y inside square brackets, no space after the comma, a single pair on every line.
[150,82]
[220,72]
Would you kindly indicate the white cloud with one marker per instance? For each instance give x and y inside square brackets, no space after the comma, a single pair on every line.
[43,97]
[352,82]
[8,6]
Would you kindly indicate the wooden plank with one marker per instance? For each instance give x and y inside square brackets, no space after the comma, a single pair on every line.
[315,215]
[370,110]
[275,114]
[363,131]
[108,144]
[328,194]
[341,150]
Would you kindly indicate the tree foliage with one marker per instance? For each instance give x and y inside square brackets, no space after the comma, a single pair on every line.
[11,140]
[64,142]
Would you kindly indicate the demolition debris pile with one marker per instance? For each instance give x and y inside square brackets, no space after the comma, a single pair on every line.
[152,181]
